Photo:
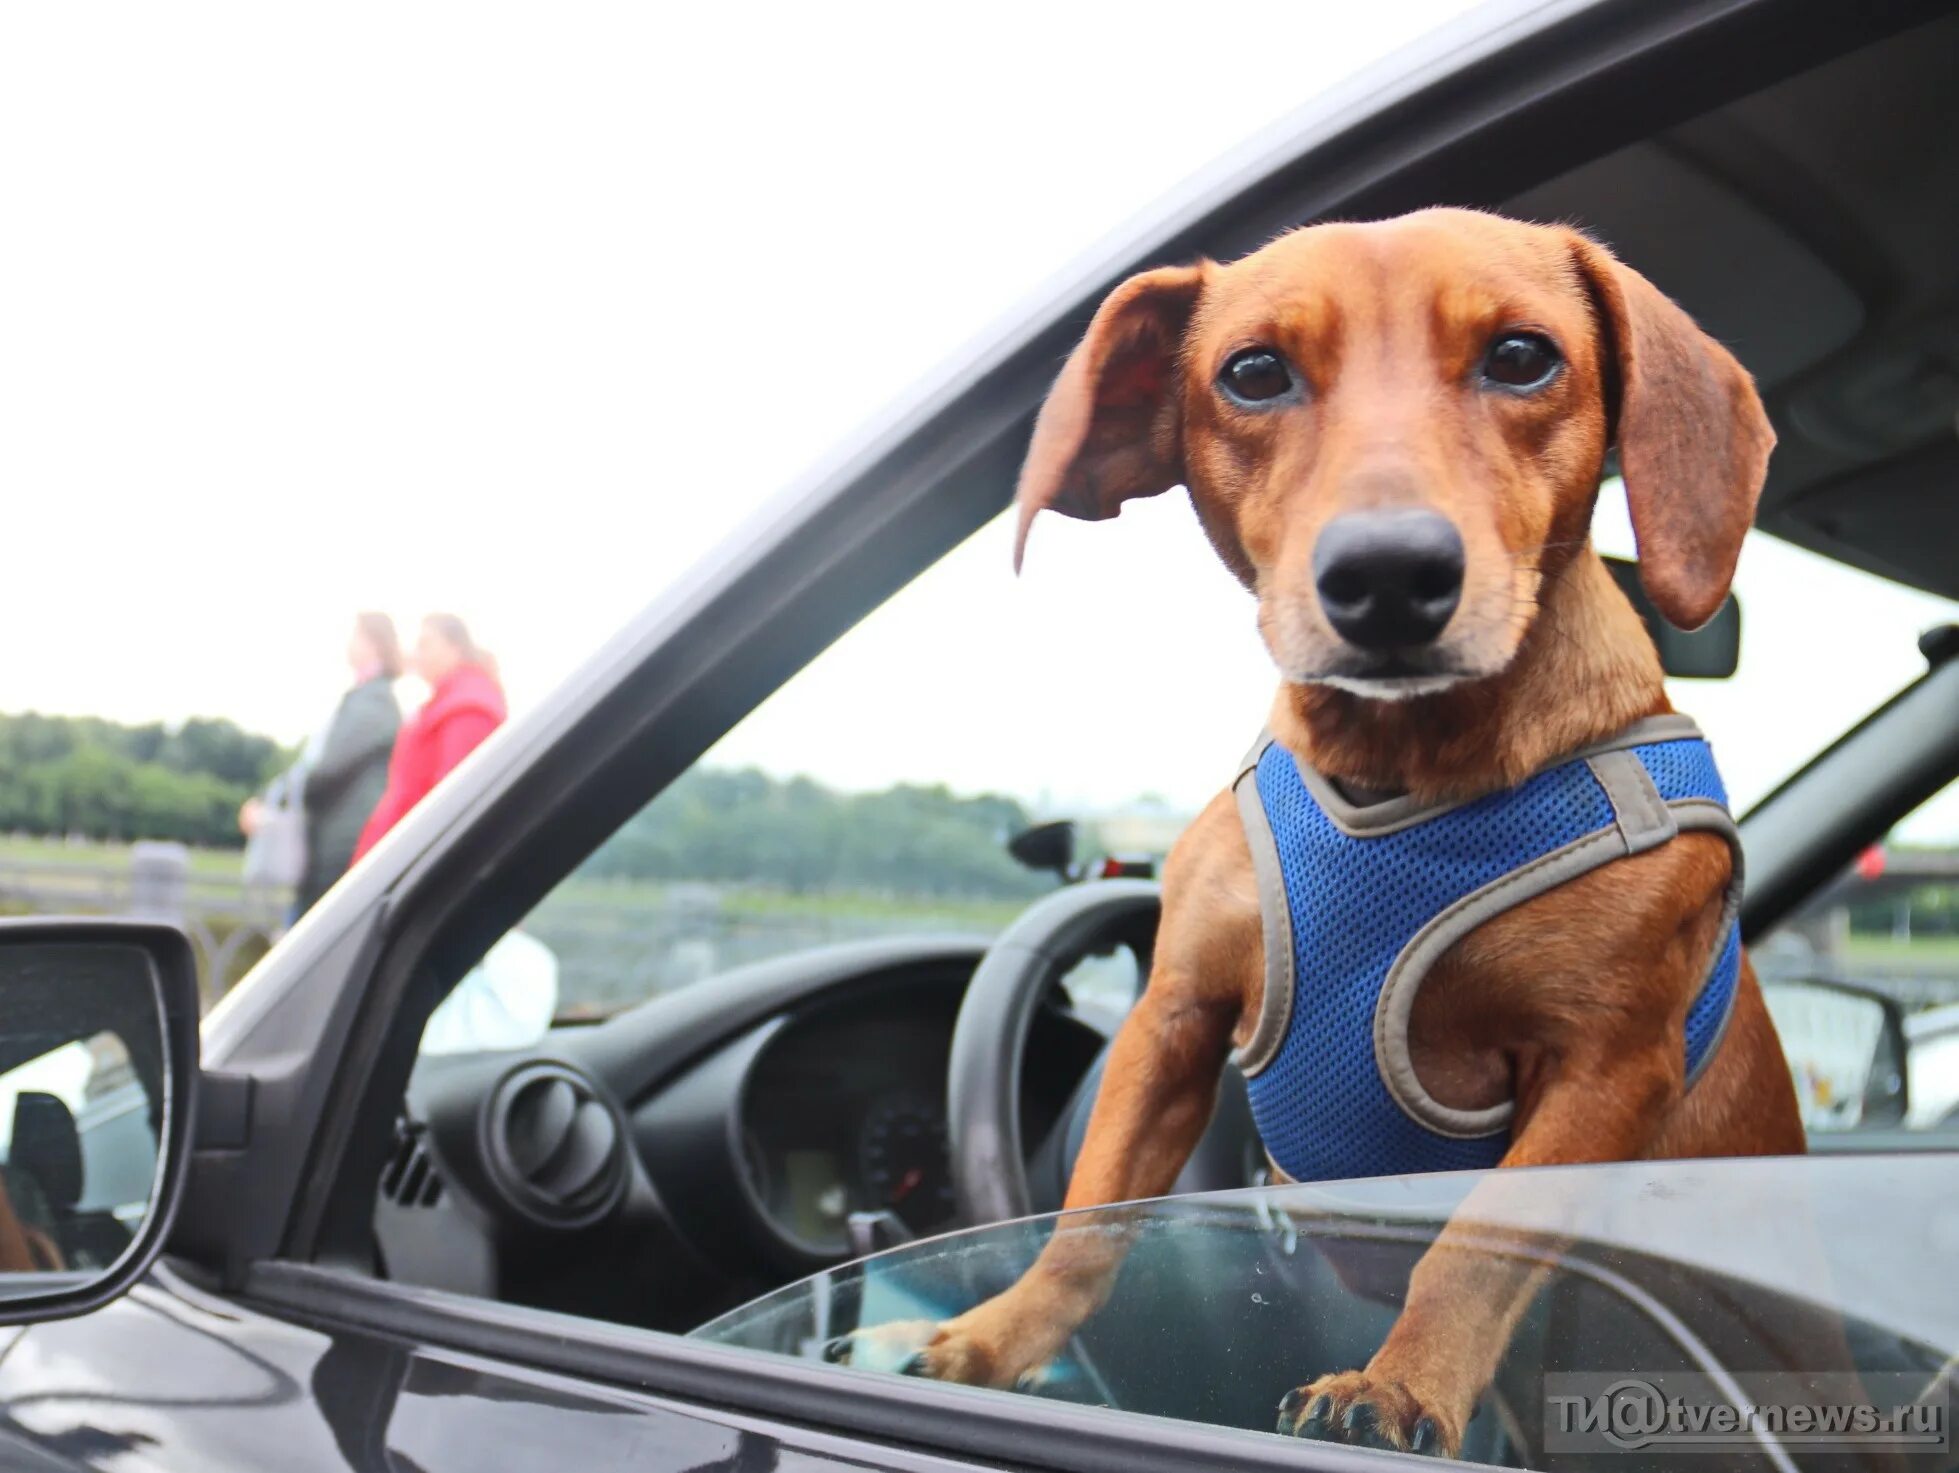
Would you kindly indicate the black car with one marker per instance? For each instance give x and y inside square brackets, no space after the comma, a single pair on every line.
[375,1222]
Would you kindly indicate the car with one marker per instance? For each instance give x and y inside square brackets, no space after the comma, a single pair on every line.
[626,1243]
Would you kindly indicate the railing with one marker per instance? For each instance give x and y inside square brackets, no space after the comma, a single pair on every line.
[231,924]
[615,945]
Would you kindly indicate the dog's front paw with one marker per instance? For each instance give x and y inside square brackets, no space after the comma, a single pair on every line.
[889,1347]
[950,1351]
[1367,1411]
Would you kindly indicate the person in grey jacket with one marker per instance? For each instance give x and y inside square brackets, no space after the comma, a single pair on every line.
[347,777]
[344,769]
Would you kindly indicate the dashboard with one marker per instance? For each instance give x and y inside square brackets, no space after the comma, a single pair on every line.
[745,1120]
[766,1147]
[844,1112]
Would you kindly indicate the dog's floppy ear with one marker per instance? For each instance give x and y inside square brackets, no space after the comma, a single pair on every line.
[1109,429]
[1693,438]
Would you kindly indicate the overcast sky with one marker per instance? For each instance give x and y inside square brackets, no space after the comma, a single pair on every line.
[516,311]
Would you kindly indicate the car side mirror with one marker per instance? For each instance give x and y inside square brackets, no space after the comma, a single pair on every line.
[98,1091]
[1846,1050]
[1048,846]
[1710,652]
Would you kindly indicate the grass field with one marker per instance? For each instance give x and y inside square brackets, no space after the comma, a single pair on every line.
[17,849]
[1919,950]
[625,895]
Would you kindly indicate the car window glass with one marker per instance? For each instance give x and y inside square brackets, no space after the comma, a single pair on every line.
[1651,1275]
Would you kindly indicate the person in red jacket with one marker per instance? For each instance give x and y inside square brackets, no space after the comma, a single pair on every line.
[465,705]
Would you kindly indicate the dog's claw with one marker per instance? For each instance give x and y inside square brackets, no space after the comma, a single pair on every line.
[1424,1438]
[1359,1423]
[1318,1420]
[837,1351]
[1289,1409]
[914,1364]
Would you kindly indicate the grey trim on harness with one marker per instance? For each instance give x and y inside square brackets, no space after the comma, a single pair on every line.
[1581,856]
[1275,918]
[1390,815]
[1672,727]
[1643,820]
[1639,812]
[1707,816]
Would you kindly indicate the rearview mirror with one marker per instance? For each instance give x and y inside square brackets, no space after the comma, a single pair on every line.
[98,1080]
[1710,652]
[1846,1050]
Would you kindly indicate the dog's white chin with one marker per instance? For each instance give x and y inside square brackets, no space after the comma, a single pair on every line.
[1391,688]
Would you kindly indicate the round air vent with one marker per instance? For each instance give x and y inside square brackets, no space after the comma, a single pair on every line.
[555,1146]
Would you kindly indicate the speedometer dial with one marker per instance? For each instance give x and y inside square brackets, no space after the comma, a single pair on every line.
[902,1151]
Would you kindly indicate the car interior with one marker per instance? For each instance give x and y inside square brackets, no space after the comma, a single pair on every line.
[76,1169]
[678,1159]
[1822,254]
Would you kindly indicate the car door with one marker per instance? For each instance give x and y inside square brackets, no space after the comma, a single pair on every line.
[175,1376]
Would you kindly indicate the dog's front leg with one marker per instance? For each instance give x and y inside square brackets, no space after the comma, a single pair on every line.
[1157,1096]
[1475,1281]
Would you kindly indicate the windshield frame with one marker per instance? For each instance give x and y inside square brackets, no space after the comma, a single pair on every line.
[1849,795]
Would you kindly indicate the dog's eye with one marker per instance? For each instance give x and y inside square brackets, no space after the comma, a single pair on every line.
[1521,360]
[1255,375]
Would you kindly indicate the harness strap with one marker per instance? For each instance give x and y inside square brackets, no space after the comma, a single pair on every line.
[1643,820]
[1405,977]
[1275,918]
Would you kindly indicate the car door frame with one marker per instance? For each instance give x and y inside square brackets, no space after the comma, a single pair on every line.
[307,1060]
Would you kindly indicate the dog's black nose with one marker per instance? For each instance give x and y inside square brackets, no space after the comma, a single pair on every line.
[1389,578]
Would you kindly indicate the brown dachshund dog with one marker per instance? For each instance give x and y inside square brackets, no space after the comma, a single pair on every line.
[1477,369]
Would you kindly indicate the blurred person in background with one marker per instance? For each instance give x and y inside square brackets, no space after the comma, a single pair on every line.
[305,826]
[508,999]
[465,705]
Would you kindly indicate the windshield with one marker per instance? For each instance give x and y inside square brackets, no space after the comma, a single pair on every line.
[1735,1282]
[875,793]
[1805,619]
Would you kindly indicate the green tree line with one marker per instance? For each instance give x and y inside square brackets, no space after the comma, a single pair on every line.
[744,827]
[62,775]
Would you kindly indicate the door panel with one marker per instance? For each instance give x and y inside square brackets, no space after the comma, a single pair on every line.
[172,1377]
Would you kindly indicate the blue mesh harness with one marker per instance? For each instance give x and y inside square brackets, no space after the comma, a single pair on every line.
[1360,900]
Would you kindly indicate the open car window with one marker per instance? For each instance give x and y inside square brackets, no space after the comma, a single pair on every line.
[814,821]
[1767,1284]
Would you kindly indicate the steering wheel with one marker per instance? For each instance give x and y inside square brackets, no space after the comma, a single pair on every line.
[993,1178]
